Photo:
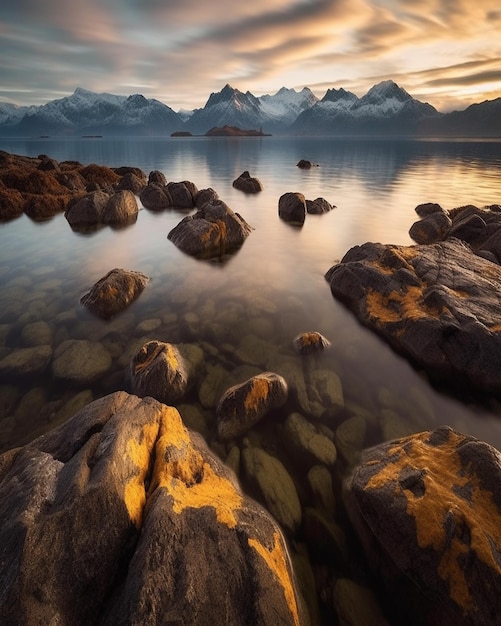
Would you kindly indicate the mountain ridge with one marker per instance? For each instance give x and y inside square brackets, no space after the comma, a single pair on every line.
[386,109]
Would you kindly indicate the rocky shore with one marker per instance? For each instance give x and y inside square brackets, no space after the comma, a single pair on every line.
[198,474]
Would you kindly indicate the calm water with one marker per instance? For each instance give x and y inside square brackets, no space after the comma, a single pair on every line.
[272,288]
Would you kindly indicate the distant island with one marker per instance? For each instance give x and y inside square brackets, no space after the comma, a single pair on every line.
[234,131]
[223,131]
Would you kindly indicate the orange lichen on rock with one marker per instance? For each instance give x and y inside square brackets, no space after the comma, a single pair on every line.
[443,514]
[278,562]
[398,306]
[258,392]
[189,479]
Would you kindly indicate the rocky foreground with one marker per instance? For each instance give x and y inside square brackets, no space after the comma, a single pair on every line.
[123,515]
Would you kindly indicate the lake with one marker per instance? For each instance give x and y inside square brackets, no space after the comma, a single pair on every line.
[273,287]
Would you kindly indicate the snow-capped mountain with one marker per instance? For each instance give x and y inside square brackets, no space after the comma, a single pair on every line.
[386,109]
[88,112]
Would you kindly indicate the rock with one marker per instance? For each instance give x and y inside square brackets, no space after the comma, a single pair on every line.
[11,203]
[244,405]
[155,197]
[434,227]
[100,176]
[132,182]
[305,443]
[132,520]
[47,164]
[292,208]
[80,362]
[247,183]
[350,438]
[213,230]
[307,343]
[37,334]
[318,206]
[426,509]
[159,370]
[157,177]
[304,164]
[320,484]
[428,208]
[273,486]
[121,209]
[437,305]
[182,194]
[206,196]
[322,394]
[114,292]
[87,211]
[356,605]
[25,362]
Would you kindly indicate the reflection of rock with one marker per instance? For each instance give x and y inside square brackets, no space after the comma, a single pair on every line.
[212,231]
[114,292]
[426,508]
[122,516]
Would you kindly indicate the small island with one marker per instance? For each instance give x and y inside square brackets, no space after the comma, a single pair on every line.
[181,133]
[234,131]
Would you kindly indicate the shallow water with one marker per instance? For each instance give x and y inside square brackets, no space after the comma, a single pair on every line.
[271,289]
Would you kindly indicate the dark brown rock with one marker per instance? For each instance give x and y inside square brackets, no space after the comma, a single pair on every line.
[157,177]
[122,516]
[11,203]
[181,194]
[244,405]
[434,227]
[88,210]
[318,206]
[307,343]
[155,197]
[114,292]
[214,230]
[436,304]
[304,164]
[292,208]
[121,209]
[427,509]
[132,182]
[247,183]
[99,175]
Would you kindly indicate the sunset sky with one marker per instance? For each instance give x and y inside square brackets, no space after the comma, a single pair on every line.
[445,52]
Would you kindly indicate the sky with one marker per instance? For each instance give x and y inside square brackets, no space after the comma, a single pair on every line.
[445,52]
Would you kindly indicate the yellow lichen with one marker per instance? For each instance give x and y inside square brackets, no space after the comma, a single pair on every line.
[277,561]
[139,452]
[191,481]
[256,395]
[398,306]
[442,507]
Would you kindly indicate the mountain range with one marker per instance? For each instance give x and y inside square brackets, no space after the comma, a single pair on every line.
[386,109]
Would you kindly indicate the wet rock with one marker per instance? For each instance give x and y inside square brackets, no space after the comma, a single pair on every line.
[273,486]
[310,342]
[318,206]
[121,209]
[132,182]
[25,362]
[155,197]
[292,208]
[305,443]
[445,570]
[80,362]
[244,405]
[182,194]
[213,385]
[247,183]
[320,484]
[304,164]
[156,176]
[428,208]
[434,227]
[11,203]
[213,230]
[100,176]
[114,292]
[87,211]
[161,371]
[206,196]
[321,394]
[165,499]
[437,304]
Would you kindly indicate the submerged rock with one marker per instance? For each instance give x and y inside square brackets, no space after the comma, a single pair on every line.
[292,208]
[25,362]
[436,304]
[114,292]
[427,509]
[122,516]
[247,183]
[80,362]
[307,343]
[318,206]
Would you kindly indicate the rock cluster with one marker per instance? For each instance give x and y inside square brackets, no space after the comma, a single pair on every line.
[427,509]
[124,516]
[293,207]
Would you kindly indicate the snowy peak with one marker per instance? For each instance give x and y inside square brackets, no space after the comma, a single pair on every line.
[339,95]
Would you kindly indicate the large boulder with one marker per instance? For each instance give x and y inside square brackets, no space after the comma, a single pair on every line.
[436,304]
[121,209]
[87,211]
[292,208]
[122,516]
[427,509]
[114,292]
[213,230]
[155,196]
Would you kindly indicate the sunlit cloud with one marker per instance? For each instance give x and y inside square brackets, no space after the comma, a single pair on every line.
[440,51]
